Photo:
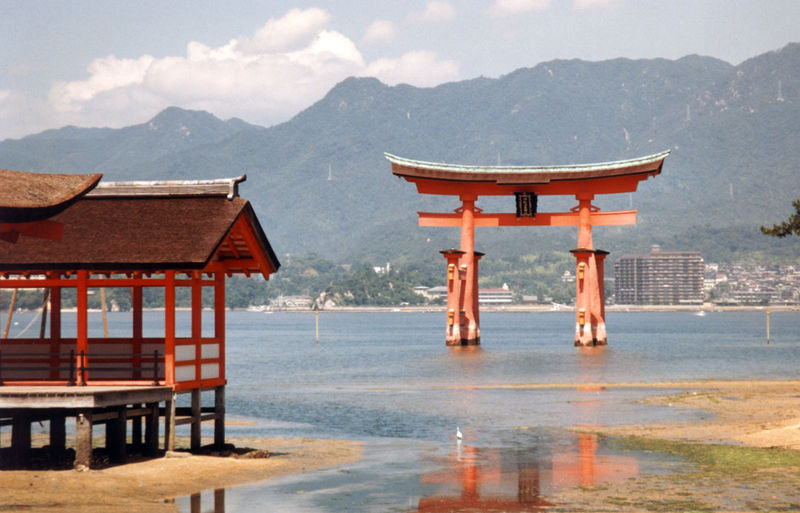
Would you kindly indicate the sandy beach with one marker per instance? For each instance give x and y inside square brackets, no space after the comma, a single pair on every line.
[758,414]
[148,485]
[746,457]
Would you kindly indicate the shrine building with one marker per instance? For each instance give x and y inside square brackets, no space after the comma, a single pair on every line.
[71,239]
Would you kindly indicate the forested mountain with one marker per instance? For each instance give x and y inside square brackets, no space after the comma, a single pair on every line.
[320,183]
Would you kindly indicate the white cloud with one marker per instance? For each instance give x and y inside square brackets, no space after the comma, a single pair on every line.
[380,31]
[420,68]
[588,4]
[435,11]
[287,64]
[106,74]
[510,7]
[287,33]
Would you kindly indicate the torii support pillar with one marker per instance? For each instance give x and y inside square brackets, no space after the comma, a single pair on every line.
[455,291]
[462,308]
[590,311]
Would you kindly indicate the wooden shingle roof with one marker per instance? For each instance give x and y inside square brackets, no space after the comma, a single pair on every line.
[28,197]
[142,226]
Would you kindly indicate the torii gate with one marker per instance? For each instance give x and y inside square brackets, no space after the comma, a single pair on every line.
[526,183]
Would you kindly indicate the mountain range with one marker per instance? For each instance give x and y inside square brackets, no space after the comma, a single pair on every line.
[320,183]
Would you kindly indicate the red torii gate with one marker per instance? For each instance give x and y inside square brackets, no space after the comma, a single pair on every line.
[526,183]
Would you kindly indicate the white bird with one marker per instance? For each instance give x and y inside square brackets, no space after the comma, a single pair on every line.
[459,435]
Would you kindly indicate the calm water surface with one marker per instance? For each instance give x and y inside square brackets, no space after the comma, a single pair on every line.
[387,379]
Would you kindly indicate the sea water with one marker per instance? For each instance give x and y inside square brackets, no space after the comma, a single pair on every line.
[388,380]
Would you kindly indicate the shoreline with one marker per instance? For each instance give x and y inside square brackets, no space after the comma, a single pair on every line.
[489,308]
[153,484]
[535,309]
[747,414]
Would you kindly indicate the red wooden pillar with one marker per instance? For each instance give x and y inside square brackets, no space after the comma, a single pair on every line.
[583,313]
[470,335]
[138,329]
[82,340]
[602,337]
[219,335]
[219,318]
[169,327]
[55,328]
[197,322]
[453,331]
[588,293]
[476,293]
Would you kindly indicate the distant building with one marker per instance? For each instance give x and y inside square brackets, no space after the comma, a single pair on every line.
[436,292]
[422,290]
[498,296]
[756,297]
[660,278]
[292,302]
[501,296]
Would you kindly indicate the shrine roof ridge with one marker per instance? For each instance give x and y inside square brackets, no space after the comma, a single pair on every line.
[521,170]
[228,187]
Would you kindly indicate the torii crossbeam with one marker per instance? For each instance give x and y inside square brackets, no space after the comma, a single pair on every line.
[526,183]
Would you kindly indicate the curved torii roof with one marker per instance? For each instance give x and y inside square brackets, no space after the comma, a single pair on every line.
[605,177]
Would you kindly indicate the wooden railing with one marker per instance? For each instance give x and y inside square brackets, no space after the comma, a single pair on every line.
[81,368]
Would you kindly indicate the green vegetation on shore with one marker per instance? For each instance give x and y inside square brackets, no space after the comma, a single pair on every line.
[718,458]
[716,477]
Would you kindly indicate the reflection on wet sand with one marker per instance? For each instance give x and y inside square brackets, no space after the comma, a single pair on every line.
[484,484]
[495,479]
[196,502]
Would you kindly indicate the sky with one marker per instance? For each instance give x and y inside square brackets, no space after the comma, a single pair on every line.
[114,63]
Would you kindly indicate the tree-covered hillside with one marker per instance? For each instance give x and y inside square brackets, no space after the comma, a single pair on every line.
[321,185]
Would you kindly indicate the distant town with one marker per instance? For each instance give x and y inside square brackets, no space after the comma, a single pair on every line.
[656,278]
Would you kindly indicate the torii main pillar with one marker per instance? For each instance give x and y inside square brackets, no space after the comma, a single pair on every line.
[526,184]
[463,316]
[590,312]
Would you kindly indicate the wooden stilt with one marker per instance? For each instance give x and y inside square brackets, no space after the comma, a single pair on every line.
[169,424]
[83,440]
[151,430]
[136,431]
[58,434]
[196,413]
[219,422]
[21,440]
[116,435]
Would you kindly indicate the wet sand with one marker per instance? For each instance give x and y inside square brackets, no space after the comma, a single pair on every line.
[146,486]
[750,413]
[741,454]
[747,413]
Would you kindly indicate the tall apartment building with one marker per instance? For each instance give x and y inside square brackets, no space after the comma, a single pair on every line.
[660,278]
